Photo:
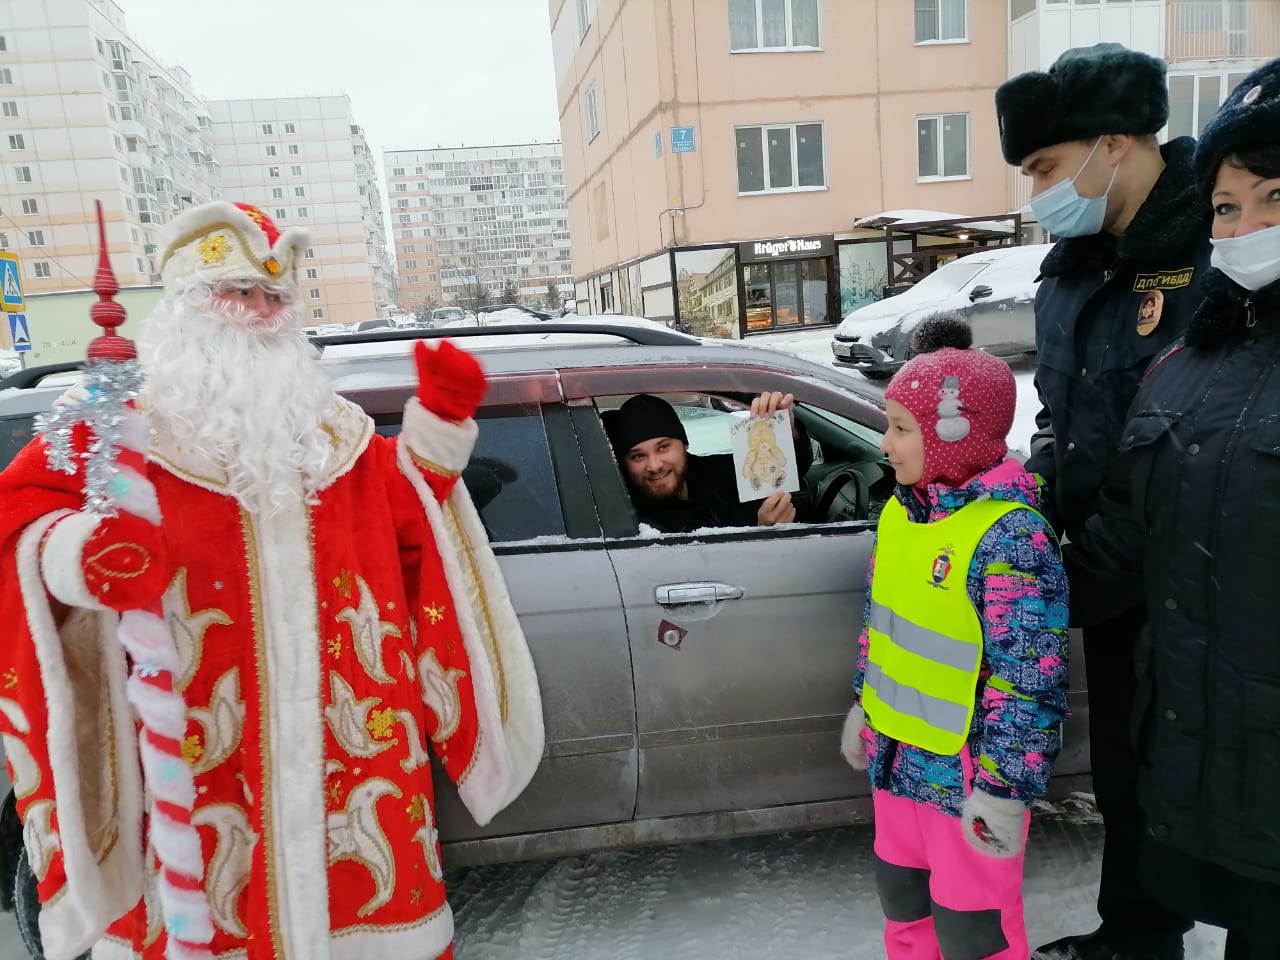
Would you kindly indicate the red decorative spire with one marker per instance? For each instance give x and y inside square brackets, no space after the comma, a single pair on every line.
[106,313]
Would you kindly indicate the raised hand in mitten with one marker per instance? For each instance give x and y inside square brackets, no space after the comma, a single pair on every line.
[121,563]
[994,826]
[852,747]
[451,382]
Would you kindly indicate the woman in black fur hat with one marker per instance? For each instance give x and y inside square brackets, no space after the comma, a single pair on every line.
[1192,518]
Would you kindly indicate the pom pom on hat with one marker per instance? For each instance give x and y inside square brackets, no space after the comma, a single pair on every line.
[1087,93]
[219,241]
[963,400]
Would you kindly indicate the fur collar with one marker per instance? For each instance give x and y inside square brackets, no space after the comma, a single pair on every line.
[349,429]
[1173,217]
[1226,308]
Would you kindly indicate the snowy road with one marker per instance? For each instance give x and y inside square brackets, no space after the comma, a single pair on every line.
[807,896]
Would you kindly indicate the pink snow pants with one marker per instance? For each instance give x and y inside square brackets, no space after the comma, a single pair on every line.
[942,899]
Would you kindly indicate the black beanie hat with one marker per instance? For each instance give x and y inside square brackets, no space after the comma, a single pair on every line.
[1087,93]
[642,418]
[1249,117]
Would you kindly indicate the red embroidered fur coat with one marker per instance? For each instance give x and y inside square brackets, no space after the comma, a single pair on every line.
[324,651]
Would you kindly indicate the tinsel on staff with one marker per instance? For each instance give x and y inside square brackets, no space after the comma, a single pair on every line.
[115,473]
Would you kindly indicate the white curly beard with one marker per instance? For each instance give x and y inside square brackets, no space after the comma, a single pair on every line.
[246,393]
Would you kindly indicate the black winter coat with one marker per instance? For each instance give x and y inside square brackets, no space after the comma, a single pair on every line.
[1090,353]
[1192,513]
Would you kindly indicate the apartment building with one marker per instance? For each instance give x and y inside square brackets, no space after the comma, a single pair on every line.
[87,114]
[487,217]
[720,154]
[1210,45]
[305,162]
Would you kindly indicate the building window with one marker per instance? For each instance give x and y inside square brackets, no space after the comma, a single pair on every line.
[309,253]
[17,142]
[402,204]
[294,149]
[943,146]
[317,313]
[303,214]
[411,264]
[4,44]
[1195,98]
[42,268]
[273,172]
[4,241]
[29,206]
[299,191]
[6,76]
[35,238]
[313,273]
[280,213]
[406,218]
[584,17]
[314,293]
[938,20]
[22,174]
[11,108]
[593,113]
[277,193]
[772,159]
[295,171]
[271,150]
[774,25]
[402,188]
[290,128]
[1020,8]
[266,128]
[128,205]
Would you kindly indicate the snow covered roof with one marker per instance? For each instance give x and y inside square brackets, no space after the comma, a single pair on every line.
[911,218]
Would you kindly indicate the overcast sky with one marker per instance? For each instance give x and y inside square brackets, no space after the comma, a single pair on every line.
[420,73]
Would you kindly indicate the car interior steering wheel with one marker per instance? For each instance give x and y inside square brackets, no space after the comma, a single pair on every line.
[842,495]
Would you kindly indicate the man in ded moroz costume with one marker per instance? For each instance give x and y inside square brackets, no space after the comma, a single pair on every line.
[232,650]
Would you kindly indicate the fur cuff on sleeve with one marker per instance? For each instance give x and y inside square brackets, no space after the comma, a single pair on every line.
[437,444]
[62,560]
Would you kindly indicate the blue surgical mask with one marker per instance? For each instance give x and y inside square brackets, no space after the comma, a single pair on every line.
[1253,261]
[1064,213]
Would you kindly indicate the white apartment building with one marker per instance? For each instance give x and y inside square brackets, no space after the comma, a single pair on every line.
[1210,45]
[479,215]
[305,162]
[86,114]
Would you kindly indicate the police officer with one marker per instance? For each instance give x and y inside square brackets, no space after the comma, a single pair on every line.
[1121,283]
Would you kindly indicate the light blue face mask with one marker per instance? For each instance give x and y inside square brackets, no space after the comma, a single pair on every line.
[1253,261]
[1064,213]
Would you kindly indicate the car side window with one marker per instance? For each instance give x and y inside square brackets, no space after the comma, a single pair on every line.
[510,476]
[15,433]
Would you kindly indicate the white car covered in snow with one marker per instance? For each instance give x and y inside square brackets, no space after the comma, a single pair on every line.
[993,289]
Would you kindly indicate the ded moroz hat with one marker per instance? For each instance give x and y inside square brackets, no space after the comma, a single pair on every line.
[220,241]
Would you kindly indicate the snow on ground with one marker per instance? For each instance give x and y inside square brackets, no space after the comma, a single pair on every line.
[807,896]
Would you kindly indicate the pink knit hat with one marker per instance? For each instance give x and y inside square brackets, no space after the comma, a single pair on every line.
[962,398]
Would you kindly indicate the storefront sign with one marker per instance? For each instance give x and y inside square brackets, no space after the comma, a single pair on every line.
[786,248]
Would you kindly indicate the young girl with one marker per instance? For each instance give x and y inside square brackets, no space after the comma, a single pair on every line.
[961,684]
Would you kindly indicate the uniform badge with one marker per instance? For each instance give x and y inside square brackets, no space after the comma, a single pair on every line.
[942,567]
[1149,312]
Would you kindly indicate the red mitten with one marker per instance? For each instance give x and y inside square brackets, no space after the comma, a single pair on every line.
[451,382]
[126,563]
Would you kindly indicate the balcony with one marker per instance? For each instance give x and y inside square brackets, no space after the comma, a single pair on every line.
[1222,30]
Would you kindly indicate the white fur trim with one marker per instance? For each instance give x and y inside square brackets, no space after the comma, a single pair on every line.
[182,263]
[294,833]
[852,747]
[509,751]
[441,443]
[95,894]
[62,559]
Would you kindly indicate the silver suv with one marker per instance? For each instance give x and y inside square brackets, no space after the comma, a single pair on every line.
[693,684]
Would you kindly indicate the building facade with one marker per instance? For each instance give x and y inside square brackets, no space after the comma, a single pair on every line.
[305,162]
[87,114]
[479,217]
[743,140]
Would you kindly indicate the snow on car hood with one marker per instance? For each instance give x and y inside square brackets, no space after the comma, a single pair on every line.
[1012,274]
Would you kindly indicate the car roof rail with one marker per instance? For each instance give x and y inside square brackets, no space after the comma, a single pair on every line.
[655,336]
[31,377]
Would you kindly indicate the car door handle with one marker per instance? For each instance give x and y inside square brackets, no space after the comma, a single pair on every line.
[674,594]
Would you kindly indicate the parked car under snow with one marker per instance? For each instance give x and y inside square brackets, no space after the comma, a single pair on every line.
[993,289]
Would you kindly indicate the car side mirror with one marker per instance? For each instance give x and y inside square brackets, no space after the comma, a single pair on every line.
[977,293]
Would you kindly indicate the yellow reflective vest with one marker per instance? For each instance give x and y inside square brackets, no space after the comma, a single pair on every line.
[925,649]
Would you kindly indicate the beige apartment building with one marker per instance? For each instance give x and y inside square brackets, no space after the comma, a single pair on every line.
[720,153]
[305,162]
[87,114]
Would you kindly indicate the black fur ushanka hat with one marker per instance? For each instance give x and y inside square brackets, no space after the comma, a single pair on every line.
[1087,93]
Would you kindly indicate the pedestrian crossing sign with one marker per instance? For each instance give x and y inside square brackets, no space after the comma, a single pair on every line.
[10,283]
[18,329]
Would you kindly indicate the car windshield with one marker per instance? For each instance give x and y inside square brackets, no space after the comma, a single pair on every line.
[950,277]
